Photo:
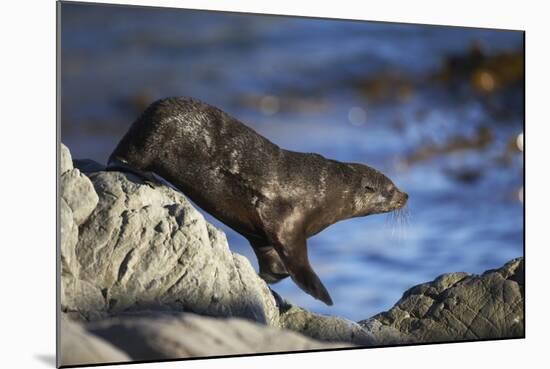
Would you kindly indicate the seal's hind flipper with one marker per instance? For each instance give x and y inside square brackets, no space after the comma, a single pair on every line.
[296,261]
[282,304]
[272,267]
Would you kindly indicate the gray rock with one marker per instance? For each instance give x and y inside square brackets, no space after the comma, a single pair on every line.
[69,238]
[149,248]
[65,160]
[128,246]
[79,347]
[325,328]
[69,264]
[188,335]
[78,192]
[457,306]
[385,334]
[77,293]
[78,199]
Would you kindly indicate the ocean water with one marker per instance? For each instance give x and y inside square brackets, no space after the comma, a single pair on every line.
[352,91]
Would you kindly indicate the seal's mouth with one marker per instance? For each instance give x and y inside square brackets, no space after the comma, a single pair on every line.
[399,199]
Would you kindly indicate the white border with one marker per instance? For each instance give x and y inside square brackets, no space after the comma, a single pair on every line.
[28,181]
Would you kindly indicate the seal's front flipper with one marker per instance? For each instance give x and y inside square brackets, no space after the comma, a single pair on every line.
[310,282]
[301,272]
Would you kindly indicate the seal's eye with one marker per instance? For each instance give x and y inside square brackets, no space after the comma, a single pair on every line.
[369,188]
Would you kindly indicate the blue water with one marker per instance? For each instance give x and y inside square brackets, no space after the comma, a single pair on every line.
[294,81]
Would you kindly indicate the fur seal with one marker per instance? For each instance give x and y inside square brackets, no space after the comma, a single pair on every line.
[275,198]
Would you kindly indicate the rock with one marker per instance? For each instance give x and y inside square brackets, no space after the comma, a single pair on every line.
[386,334]
[69,238]
[78,199]
[455,307]
[325,328]
[79,347]
[77,293]
[149,248]
[188,335]
[69,264]
[128,246]
[65,160]
[78,192]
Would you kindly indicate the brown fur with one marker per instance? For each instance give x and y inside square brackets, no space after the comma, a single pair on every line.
[274,197]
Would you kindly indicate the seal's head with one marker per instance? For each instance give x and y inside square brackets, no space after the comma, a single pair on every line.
[374,192]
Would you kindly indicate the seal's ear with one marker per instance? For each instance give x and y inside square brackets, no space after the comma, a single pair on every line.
[296,261]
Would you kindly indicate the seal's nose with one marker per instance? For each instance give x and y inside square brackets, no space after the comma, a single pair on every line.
[400,198]
[404,198]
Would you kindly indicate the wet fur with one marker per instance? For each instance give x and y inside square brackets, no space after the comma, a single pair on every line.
[274,197]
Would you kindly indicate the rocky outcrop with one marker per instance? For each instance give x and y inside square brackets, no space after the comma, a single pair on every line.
[456,306]
[325,328]
[182,335]
[77,201]
[139,262]
[80,347]
[149,248]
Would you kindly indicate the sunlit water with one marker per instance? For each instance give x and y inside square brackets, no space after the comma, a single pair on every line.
[292,80]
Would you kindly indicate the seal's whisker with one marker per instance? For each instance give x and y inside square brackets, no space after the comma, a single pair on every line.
[399,220]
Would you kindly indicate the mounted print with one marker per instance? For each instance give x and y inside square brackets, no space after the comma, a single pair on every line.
[237,184]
